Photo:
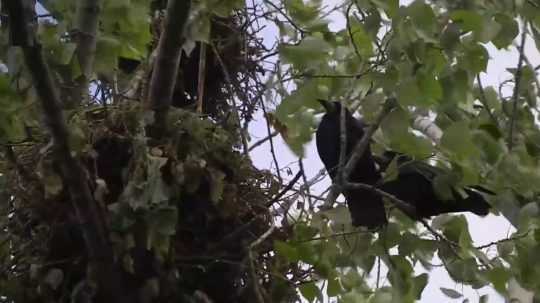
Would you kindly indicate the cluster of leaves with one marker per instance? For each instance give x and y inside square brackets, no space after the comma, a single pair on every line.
[427,56]
[193,191]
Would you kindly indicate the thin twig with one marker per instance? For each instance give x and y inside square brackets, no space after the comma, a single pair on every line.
[254,278]
[201,77]
[262,141]
[285,189]
[378,272]
[304,179]
[515,96]
[349,31]
[272,150]
[233,92]
[514,238]
[484,102]
[348,233]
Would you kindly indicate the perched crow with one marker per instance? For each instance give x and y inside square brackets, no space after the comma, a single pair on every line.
[365,206]
[413,184]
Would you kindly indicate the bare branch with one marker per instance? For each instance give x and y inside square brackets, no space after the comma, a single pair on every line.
[261,142]
[285,189]
[514,238]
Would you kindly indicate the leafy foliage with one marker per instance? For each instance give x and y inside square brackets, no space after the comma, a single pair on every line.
[193,210]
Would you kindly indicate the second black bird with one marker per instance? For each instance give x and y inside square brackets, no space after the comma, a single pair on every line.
[413,184]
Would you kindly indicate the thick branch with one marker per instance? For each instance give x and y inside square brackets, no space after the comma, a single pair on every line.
[87,28]
[88,215]
[168,58]
[71,171]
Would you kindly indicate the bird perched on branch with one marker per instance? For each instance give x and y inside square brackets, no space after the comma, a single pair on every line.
[414,183]
[366,207]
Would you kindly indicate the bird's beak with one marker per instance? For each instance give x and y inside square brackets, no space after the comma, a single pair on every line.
[328,106]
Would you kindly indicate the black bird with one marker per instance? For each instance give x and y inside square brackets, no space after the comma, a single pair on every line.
[365,206]
[413,184]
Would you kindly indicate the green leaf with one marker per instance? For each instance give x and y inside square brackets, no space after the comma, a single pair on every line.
[395,128]
[338,215]
[389,6]
[475,58]
[419,283]
[450,37]
[499,278]
[157,190]
[469,20]
[310,291]
[286,251]
[457,229]
[456,87]
[490,149]
[107,52]
[508,32]
[311,51]
[333,287]
[361,40]
[423,18]
[430,88]
[489,30]
[163,220]
[373,23]
[217,184]
[303,12]
[381,296]
[458,140]
[353,297]
[451,293]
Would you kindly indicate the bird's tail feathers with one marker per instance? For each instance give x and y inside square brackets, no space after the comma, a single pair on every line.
[366,208]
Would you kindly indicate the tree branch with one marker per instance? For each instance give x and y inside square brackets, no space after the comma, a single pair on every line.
[515,96]
[484,102]
[201,77]
[358,151]
[165,70]
[405,207]
[87,28]
[21,18]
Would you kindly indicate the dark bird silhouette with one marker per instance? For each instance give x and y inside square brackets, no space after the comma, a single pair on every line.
[414,183]
[365,206]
